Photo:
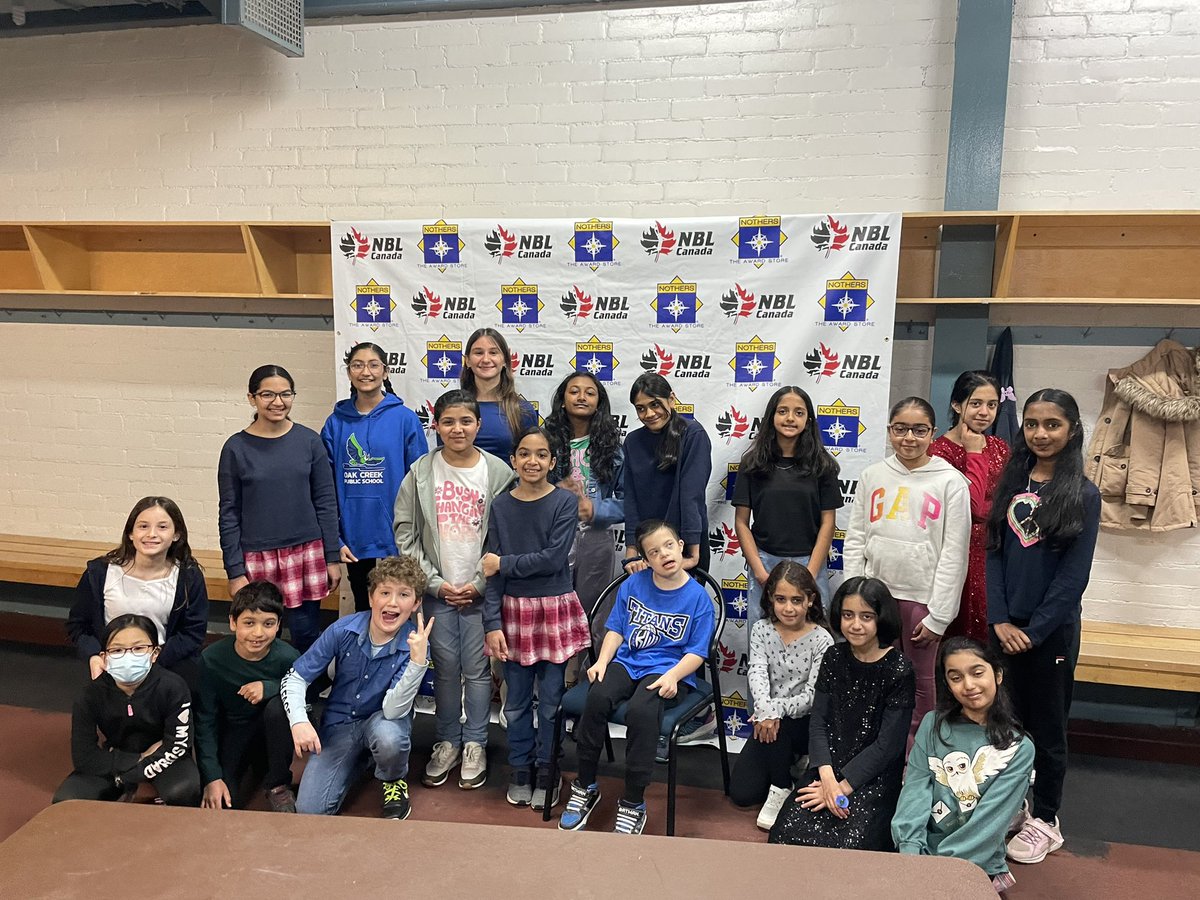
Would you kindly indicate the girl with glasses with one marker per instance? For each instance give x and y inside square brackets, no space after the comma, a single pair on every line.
[154,574]
[371,439]
[278,511]
[911,528]
[142,714]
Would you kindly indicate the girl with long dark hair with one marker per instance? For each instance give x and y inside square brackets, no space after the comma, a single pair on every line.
[1042,532]
[969,766]
[487,372]
[372,439]
[278,510]
[974,401]
[668,462]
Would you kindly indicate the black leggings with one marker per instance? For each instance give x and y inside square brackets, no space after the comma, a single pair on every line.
[177,785]
[761,766]
[356,574]
[264,745]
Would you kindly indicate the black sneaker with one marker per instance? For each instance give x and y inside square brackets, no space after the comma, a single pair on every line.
[579,806]
[662,752]
[395,800]
[631,818]
[542,790]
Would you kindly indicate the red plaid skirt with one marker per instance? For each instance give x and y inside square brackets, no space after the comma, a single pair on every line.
[299,572]
[539,629]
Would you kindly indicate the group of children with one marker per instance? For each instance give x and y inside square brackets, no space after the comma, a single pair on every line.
[951,545]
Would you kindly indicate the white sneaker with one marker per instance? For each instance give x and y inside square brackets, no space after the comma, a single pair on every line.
[474,766]
[445,757]
[1035,841]
[770,809]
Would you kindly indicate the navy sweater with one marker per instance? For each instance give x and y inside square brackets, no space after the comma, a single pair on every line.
[1037,588]
[275,493]
[533,540]
[677,494]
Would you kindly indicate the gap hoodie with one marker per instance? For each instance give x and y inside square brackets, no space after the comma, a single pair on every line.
[912,530]
[370,456]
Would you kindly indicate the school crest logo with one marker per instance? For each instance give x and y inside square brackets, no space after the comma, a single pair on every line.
[576,305]
[440,245]
[754,363]
[594,243]
[730,479]
[676,304]
[373,304]
[658,361]
[734,593]
[738,303]
[595,356]
[830,235]
[354,246]
[840,426]
[519,305]
[759,239]
[443,360]
[846,301]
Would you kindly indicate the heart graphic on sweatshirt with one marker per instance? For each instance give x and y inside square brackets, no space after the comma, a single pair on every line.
[1020,518]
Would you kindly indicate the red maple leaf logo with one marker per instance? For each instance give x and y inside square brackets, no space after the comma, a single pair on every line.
[585,304]
[747,298]
[728,657]
[666,239]
[666,362]
[732,544]
[510,241]
[361,251]
[514,361]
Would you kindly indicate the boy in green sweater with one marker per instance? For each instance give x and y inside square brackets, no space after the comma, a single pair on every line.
[240,720]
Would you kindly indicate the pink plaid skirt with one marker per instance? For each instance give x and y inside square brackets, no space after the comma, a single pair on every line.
[299,572]
[539,629]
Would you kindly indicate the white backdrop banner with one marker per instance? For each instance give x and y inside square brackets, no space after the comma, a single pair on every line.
[727,309]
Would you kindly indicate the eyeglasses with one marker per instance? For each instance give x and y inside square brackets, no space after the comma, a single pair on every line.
[373,366]
[918,431]
[269,396]
[139,650]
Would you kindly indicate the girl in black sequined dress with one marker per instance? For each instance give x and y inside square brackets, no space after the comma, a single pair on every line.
[858,727]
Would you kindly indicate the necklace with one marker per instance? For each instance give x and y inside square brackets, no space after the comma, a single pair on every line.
[1026,528]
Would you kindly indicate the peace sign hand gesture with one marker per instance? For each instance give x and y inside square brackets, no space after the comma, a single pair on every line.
[418,640]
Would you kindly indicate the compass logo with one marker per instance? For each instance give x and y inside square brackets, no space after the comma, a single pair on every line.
[595,356]
[440,245]
[754,363]
[735,593]
[759,239]
[840,426]
[675,305]
[846,301]
[373,304]
[519,304]
[594,243]
[443,360]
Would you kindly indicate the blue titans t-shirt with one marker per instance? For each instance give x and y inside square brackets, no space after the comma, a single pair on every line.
[659,626]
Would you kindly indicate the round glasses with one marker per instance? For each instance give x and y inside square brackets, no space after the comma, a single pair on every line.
[372,366]
[918,431]
[139,650]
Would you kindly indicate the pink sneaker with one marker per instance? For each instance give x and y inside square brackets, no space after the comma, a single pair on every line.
[1035,841]
[1003,882]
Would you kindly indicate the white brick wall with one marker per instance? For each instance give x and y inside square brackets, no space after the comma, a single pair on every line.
[788,104]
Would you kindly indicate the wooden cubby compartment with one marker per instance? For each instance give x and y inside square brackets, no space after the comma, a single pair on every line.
[17,269]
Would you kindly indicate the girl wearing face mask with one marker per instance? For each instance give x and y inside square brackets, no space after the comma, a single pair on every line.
[278,511]
[911,527]
[974,400]
[668,462]
[142,713]
[154,574]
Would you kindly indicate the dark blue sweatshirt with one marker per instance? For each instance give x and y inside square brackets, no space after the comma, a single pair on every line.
[677,495]
[370,455]
[1039,589]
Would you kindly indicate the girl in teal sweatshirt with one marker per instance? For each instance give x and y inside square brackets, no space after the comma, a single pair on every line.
[969,766]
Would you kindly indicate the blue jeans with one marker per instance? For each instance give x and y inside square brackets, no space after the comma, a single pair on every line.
[518,710]
[460,670]
[304,624]
[754,594]
[330,773]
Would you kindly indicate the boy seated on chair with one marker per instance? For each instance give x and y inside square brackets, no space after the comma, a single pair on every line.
[658,635]
[381,659]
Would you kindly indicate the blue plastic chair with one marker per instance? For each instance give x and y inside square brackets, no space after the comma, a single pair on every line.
[694,703]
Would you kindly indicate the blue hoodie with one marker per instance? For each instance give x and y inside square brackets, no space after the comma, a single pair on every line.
[370,455]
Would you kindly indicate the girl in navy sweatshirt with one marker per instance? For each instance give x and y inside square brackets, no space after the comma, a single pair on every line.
[531,614]
[667,466]
[142,714]
[1042,532]
[372,439]
[278,511]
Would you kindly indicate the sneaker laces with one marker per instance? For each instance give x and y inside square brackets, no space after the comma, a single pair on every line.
[578,801]
[1032,834]
[627,817]
[472,754]
[394,790]
[443,752]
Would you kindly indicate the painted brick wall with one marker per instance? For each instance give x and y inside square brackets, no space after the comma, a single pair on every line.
[793,104]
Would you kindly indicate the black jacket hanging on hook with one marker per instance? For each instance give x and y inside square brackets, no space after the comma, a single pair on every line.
[1006,427]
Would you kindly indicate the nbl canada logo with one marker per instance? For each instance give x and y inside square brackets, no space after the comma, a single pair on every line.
[830,235]
[533,364]
[661,361]
[519,305]
[373,304]
[658,241]
[595,357]
[503,244]
[426,304]
[759,239]
[576,305]
[440,245]
[821,362]
[738,303]
[500,244]
[354,246]
[594,243]
[425,416]
[824,362]
[676,304]
[846,301]
[658,361]
[754,363]
[840,427]
[723,541]
[443,360]
[732,425]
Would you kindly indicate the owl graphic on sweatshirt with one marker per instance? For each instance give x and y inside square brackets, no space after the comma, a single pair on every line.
[964,774]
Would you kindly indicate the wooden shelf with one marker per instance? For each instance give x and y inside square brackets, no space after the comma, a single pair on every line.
[283,268]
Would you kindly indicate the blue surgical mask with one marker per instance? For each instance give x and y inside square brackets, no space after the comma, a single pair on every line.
[129,668]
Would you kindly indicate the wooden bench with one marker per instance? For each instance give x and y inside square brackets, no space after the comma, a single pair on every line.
[59,563]
[1152,656]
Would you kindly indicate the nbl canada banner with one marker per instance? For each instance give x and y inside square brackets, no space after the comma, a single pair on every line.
[727,309]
